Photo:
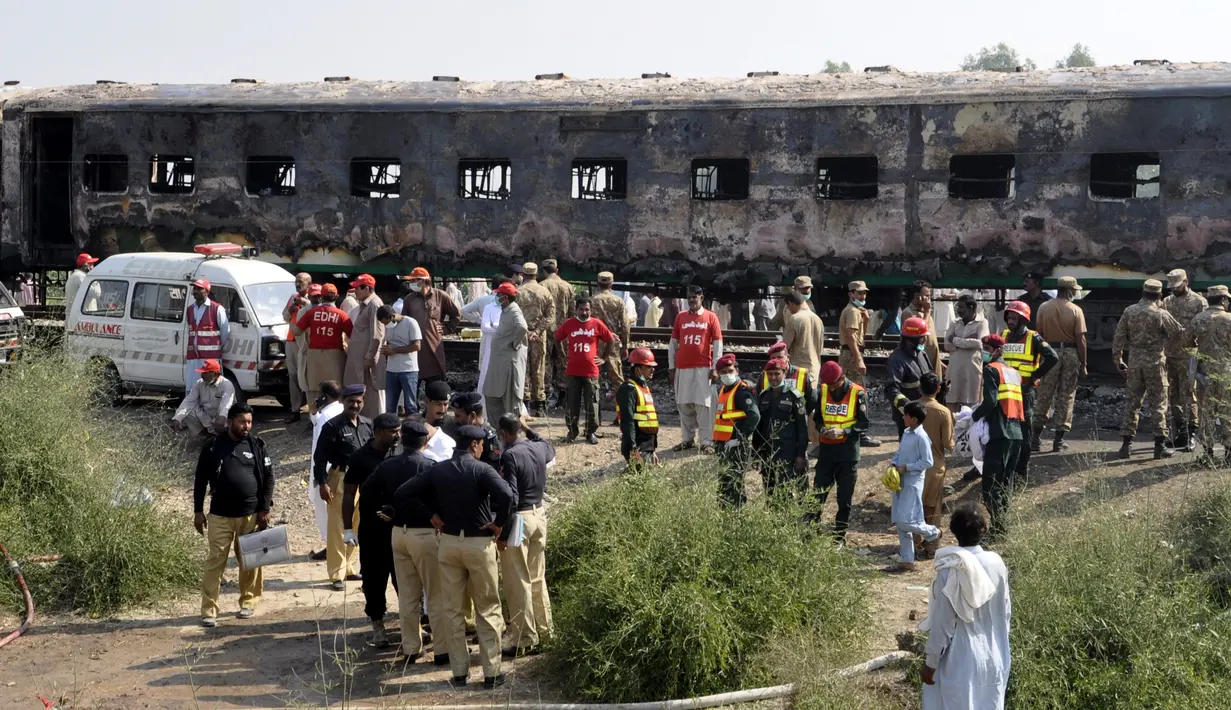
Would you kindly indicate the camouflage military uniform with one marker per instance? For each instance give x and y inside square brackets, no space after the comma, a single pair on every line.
[609,308]
[562,294]
[539,307]
[1210,334]
[1144,329]
[1183,397]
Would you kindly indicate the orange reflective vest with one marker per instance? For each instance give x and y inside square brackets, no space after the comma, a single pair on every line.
[840,414]
[644,414]
[1009,393]
[728,413]
[800,381]
[1021,356]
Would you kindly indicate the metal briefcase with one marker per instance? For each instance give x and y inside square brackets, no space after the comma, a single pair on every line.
[264,547]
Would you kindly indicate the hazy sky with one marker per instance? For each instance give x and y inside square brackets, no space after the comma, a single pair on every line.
[48,42]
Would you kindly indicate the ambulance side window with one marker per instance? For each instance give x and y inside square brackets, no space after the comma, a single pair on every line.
[160,302]
[229,298]
[105,299]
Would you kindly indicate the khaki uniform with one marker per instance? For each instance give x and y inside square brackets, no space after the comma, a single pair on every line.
[1061,323]
[539,307]
[525,582]
[469,563]
[222,535]
[804,335]
[1144,329]
[779,319]
[609,308]
[415,566]
[1210,334]
[939,427]
[340,558]
[562,293]
[856,319]
[1182,390]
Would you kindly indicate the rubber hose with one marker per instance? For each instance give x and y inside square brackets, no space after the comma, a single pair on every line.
[21,580]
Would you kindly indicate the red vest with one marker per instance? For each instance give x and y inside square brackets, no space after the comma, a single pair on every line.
[204,337]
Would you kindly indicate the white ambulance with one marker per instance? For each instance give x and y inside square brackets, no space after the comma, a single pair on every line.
[130,315]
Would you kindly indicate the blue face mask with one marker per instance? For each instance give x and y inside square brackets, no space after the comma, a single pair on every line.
[807,296]
[860,304]
[987,357]
[919,347]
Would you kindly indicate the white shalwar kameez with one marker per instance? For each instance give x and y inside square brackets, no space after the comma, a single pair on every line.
[319,507]
[968,640]
[488,323]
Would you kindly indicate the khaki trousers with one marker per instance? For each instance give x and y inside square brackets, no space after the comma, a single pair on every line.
[221,535]
[846,359]
[339,558]
[294,357]
[321,366]
[525,582]
[471,562]
[415,565]
[933,503]
[536,367]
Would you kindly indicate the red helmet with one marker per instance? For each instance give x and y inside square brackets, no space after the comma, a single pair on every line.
[914,328]
[1019,308]
[642,356]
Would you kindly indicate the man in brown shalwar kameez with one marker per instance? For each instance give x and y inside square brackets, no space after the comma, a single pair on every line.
[365,365]
[430,307]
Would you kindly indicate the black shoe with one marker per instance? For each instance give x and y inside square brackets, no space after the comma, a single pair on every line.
[591,439]
[317,556]
[402,657]
[441,659]
[294,418]
[509,653]
[865,440]
[1126,449]
[571,438]
[972,475]
[354,577]
[459,680]
[1161,450]
[492,683]
[1058,444]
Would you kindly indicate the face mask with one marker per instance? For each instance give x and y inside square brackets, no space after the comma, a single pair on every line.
[416,287]
[807,296]
[919,347]
[860,304]
[729,378]
[987,357]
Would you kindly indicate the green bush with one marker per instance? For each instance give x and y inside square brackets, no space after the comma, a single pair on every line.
[1106,614]
[1204,536]
[661,592]
[73,475]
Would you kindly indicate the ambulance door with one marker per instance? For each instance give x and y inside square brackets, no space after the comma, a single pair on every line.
[155,336]
[241,353]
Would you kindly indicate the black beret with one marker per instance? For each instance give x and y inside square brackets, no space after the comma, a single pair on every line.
[386,421]
[413,428]
[467,400]
[471,432]
[437,391]
[353,390]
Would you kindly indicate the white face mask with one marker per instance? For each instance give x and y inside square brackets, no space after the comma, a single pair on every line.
[416,286]
[729,378]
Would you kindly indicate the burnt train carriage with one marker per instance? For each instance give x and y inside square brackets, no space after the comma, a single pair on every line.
[965,178]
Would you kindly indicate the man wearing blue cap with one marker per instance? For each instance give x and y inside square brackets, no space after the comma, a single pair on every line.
[341,437]
[375,535]
[469,504]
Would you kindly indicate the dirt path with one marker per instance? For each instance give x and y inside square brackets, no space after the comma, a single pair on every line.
[307,641]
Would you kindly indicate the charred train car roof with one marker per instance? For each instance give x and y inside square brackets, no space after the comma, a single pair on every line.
[910,220]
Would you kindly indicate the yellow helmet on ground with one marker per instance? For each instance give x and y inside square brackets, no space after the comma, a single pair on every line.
[892,479]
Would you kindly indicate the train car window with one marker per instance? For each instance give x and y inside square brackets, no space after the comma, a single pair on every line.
[270,175]
[376,177]
[720,178]
[105,172]
[172,174]
[600,179]
[847,178]
[1125,176]
[160,302]
[480,179]
[982,177]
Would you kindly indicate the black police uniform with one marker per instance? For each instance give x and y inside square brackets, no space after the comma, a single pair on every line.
[782,434]
[375,546]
